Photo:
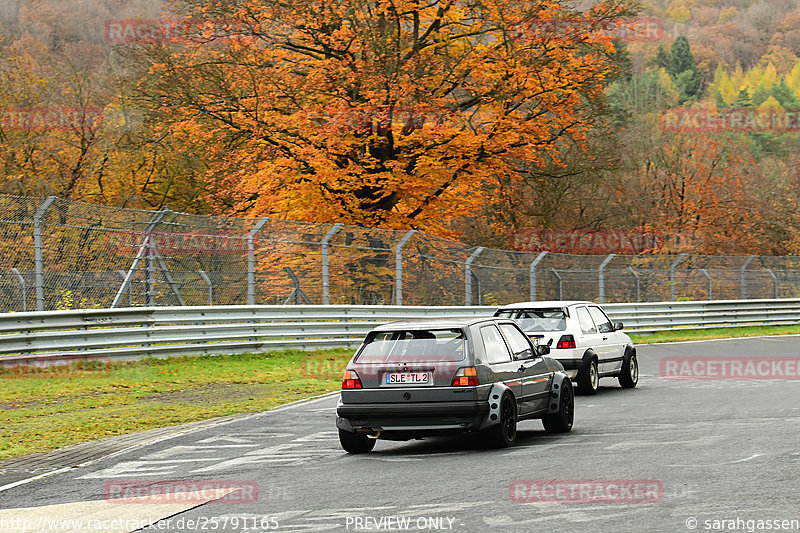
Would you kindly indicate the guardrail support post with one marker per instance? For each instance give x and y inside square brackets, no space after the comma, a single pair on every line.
[209,286]
[398,267]
[601,277]
[38,250]
[744,276]
[22,289]
[326,297]
[251,261]
[145,250]
[533,274]
[468,275]
[638,284]
[560,283]
[672,291]
[708,278]
[774,282]
[150,259]
[297,295]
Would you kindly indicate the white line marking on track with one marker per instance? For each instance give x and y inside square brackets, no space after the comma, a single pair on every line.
[35,478]
[106,516]
[728,463]
[292,405]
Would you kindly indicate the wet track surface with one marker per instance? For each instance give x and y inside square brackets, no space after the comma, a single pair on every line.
[714,449]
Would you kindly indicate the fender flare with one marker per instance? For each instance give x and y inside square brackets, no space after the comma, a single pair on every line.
[588,355]
[629,351]
[560,380]
[495,394]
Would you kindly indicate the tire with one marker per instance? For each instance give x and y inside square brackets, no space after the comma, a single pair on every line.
[629,374]
[589,380]
[561,422]
[353,443]
[504,434]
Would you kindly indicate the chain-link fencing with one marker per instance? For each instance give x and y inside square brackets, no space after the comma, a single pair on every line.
[61,254]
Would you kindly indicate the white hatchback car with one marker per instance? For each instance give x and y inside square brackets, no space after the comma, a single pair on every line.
[581,337]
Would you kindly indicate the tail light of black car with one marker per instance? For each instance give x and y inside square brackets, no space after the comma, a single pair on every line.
[465,377]
[350,380]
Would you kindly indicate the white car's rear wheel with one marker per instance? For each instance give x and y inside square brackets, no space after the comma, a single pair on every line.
[590,379]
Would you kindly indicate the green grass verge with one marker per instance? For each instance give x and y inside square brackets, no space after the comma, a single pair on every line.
[44,409]
[714,333]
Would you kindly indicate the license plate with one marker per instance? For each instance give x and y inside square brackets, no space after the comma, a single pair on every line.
[407,378]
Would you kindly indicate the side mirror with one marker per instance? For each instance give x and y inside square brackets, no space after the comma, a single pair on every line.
[618,326]
[542,350]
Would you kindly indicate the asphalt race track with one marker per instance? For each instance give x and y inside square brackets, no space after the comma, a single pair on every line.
[671,455]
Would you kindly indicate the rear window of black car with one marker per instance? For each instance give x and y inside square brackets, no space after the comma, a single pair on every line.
[430,345]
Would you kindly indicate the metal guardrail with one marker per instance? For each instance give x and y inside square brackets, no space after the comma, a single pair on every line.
[125,334]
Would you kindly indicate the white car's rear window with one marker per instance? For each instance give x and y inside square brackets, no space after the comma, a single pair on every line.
[413,346]
[530,320]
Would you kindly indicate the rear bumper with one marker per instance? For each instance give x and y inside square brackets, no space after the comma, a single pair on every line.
[419,418]
[432,409]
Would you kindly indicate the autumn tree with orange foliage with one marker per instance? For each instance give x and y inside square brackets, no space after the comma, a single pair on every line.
[701,190]
[383,114]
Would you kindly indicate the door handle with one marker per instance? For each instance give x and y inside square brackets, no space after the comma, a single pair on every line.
[605,338]
[522,369]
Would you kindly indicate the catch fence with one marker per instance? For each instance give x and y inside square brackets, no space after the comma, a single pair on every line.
[62,254]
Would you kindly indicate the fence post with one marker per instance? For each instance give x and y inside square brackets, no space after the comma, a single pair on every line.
[638,286]
[774,282]
[38,251]
[560,284]
[601,278]
[23,289]
[672,291]
[533,274]
[326,298]
[744,276]
[478,284]
[209,286]
[123,275]
[251,261]
[468,275]
[398,266]
[708,277]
